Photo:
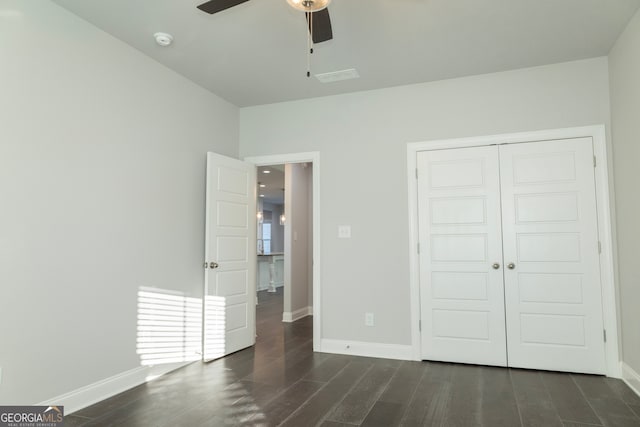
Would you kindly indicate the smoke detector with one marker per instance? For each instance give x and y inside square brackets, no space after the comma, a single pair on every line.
[163,39]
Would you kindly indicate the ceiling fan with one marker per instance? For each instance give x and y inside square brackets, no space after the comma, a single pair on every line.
[316,14]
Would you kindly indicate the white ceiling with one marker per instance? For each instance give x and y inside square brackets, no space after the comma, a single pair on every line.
[255,53]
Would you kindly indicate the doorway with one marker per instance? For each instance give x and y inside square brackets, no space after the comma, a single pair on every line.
[270,254]
[296,164]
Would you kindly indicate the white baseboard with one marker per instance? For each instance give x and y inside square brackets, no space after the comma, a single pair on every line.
[88,395]
[367,349]
[292,316]
[631,377]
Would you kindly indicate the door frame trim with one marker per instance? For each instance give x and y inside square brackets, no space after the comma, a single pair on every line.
[605,213]
[314,158]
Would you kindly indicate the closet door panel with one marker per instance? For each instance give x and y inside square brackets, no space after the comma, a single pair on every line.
[462,301]
[552,293]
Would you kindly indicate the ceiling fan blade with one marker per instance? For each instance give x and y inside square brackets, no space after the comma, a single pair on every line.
[214,6]
[321,26]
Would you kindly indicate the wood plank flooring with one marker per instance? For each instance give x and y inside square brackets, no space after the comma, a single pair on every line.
[281,382]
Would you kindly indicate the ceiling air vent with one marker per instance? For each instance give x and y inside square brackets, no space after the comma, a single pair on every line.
[336,76]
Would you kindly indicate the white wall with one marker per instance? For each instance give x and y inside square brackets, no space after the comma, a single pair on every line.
[102,161]
[296,236]
[624,69]
[362,140]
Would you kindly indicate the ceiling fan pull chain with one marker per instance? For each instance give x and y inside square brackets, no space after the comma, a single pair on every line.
[309,44]
[309,7]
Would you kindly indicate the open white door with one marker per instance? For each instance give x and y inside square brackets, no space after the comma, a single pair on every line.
[230,257]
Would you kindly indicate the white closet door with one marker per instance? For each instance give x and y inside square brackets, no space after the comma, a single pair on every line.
[462,301]
[552,289]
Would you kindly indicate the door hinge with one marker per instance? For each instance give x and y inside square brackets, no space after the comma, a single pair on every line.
[604,335]
[599,247]
[416,173]
[594,161]
[420,325]
[418,247]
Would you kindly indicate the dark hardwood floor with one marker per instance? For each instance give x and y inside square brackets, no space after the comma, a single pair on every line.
[282,382]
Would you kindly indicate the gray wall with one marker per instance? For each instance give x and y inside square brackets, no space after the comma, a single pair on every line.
[102,166]
[624,68]
[362,140]
[296,237]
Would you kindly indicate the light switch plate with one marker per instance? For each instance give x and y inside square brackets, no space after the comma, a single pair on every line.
[344,231]
[368,319]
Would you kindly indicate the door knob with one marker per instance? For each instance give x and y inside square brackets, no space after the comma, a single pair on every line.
[213,264]
[495,266]
[511,266]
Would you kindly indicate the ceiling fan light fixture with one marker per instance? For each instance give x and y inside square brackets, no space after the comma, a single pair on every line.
[309,5]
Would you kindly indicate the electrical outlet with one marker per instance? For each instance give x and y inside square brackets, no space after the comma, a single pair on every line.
[344,231]
[368,319]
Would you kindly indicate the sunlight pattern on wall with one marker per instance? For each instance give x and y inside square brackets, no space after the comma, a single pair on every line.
[169,327]
[214,326]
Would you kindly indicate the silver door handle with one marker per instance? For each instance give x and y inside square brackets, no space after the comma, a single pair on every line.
[511,266]
[495,266]
[213,265]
